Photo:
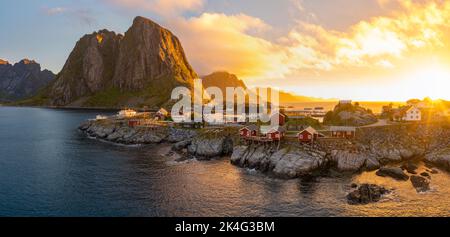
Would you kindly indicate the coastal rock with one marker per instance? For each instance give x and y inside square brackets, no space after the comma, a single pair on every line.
[410,167]
[181,145]
[289,162]
[425,174]
[205,148]
[142,136]
[297,163]
[347,161]
[440,158]
[421,184]
[366,193]
[178,135]
[372,163]
[393,172]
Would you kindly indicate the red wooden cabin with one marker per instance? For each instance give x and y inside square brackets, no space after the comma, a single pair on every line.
[249,131]
[281,118]
[276,133]
[343,132]
[307,135]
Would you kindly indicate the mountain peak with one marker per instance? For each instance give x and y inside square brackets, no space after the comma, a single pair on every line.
[222,79]
[139,68]
[27,61]
[3,62]
[142,20]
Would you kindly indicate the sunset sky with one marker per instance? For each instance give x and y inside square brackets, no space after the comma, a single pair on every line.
[349,49]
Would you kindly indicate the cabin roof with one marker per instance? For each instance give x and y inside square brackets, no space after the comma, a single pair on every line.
[342,129]
[251,127]
[273,129]
[310,130]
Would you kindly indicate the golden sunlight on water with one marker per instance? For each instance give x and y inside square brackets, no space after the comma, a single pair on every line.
[404,200]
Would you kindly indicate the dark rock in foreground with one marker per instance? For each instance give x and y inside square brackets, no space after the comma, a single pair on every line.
[365,194]
[410,167]
[425,174]
[421,184]
[395,173]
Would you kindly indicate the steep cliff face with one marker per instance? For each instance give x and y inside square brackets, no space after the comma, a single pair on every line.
[150,54]
[23,79]
[89,68]
[110,70]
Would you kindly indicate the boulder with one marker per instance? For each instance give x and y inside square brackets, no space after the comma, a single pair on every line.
[205,148]
[346,161]
[181,145]
[372,163]
[393,172]
[366,193]
[425,174]
[440,158]
[410,167]
[421,184]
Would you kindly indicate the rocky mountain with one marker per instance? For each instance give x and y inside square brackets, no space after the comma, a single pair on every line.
[222,80]
[105,69]
[23,79]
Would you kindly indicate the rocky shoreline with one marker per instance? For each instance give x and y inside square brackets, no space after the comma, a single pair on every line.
[375,147]
[391,152]
[187,142]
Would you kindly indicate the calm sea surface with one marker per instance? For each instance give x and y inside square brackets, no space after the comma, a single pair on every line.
[48,168]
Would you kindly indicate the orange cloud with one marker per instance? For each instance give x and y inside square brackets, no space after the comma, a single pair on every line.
[216,41]
[222,42]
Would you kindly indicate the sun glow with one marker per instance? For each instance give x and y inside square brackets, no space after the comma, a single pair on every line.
[431,80]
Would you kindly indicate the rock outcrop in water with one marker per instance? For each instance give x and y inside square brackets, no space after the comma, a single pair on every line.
[22,80]
[393,172]
[197,146]
[421,184]
[440,158]
[366,193]
[374,147]
[285,163]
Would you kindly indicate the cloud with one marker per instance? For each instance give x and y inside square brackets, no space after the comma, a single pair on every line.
[54,10]
[161,7]
[237,43]
[215,41]
[83,16]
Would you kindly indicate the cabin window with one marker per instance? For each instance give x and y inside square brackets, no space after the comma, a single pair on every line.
[301,136]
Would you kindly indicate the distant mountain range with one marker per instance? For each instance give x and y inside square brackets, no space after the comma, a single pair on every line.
[137,69]
[224,79]
[22,80]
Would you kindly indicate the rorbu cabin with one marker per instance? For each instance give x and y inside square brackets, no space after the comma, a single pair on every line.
[343,132]
[133,123]
[249,131]
[276,133]
[308,135]
[281,118]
